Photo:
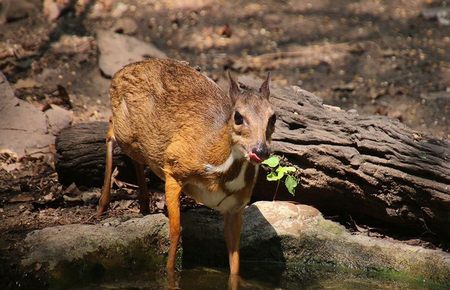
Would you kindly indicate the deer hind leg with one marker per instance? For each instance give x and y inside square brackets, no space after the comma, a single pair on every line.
[232,229]
[173,190]
[143,196]
[106,189]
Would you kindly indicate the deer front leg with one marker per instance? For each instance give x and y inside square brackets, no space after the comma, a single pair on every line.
[173,190]
[106,190]
[232,229]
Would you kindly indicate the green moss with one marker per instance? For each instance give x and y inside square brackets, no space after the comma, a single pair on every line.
[414,282]
[315,271]
[330,227]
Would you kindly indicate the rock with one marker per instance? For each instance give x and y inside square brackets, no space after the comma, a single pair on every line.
[125,25]
[299,237]
[294,237]
[434,96]
[26,84]
[15,10]
[100,8]
[119,10]
[23,127]
[117,50]
[79,254]
[53,8]
[433,13]
[441,14]
[79,251]
[73,44]
[58,118]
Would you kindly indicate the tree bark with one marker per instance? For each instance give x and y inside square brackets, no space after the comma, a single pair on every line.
[81,153]
[367,166]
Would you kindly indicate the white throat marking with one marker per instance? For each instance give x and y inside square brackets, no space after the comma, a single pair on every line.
[224,167]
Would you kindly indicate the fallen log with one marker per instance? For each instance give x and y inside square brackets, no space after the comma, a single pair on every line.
[81,154]
[367,166]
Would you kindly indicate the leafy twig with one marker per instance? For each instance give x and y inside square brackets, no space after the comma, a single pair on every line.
[277,172]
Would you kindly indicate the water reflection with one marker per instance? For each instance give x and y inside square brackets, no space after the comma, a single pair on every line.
[206,278]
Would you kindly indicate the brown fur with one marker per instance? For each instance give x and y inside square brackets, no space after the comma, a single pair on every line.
[175,120]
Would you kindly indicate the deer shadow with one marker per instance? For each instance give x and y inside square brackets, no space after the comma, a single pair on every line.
[262,257]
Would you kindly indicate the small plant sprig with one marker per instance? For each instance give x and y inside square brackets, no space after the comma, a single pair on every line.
[277,172]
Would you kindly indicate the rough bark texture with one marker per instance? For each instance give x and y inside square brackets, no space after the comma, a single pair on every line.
[81,154]
[369,166]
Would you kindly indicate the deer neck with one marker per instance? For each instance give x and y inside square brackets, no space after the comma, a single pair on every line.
[228,168]
[234,174]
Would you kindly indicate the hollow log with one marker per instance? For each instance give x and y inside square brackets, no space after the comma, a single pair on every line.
[366,166]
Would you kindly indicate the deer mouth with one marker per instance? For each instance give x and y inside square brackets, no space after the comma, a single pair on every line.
[254,158]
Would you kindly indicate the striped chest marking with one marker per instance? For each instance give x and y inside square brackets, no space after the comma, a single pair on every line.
[238,182]
[224,200]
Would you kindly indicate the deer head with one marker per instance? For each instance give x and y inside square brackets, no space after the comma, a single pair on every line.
[252,121]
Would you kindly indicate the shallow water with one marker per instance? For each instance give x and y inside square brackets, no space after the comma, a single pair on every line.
[260,277]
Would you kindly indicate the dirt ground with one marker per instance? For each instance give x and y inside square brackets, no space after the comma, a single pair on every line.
[378,57]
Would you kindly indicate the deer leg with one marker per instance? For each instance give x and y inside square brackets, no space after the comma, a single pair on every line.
[143,196]
[232,229]
[233,282]
[173,190]
[106,189]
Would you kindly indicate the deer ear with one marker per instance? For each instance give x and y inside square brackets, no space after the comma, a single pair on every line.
[265,87]
[234,89]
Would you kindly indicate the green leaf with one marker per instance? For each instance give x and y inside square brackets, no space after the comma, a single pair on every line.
[280,172]
[272,161]
[290,169]
[272,176]
[291,183]
[286,170]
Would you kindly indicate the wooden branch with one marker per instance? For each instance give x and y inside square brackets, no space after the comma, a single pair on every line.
[368,166]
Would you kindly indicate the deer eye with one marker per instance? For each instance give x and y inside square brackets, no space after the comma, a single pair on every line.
[238,119]
[272,120]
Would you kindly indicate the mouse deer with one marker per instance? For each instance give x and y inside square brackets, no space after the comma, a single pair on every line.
[197,138]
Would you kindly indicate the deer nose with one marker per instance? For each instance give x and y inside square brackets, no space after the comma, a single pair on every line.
[261,151]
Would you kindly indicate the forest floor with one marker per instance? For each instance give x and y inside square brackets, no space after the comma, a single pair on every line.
[378,57]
